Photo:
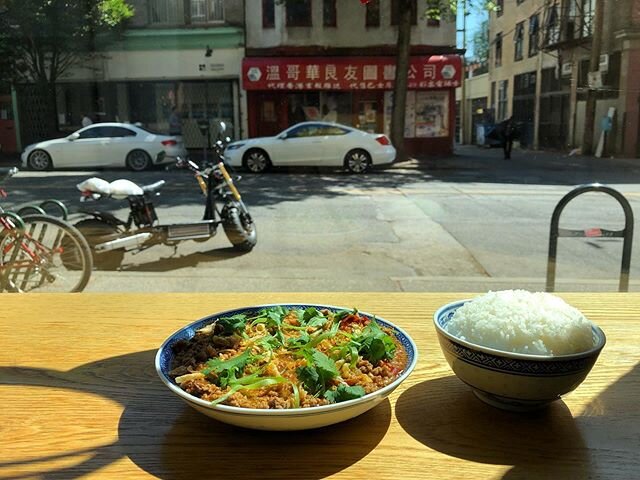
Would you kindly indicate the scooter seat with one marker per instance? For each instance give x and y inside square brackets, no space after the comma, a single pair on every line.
[153,187]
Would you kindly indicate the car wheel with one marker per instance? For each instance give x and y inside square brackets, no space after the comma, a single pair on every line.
[138,160]
[357,161]
[256,161]
[39,160]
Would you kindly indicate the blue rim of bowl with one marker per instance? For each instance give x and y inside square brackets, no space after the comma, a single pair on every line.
[189,330]
[453,306]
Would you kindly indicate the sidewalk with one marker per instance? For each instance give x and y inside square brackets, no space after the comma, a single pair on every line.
[471,157]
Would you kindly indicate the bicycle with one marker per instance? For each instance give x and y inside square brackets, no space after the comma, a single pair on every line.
[41,252]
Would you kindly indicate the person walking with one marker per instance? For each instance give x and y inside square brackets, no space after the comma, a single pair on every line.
[175,122]
[86,120]
[508,134]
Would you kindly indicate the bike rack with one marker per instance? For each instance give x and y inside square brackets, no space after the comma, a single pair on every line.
[61,209]
[626,233]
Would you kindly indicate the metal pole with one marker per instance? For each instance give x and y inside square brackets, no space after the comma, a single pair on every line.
[463,92]
[594,66]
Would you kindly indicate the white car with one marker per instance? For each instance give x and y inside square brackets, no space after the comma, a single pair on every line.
[313,144]
[104,145]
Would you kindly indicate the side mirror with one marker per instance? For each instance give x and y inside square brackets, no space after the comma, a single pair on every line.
[283,137]
[73,136]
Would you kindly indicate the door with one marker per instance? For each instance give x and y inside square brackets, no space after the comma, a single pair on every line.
[302,145]
[7,126]
[271,113]
[119,143]
[90,149]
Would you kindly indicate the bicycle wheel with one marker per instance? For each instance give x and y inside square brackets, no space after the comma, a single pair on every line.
[50,256]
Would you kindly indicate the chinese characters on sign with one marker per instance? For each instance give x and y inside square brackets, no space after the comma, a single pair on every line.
[356,73]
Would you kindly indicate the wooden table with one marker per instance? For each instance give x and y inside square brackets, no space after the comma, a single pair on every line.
[80,396]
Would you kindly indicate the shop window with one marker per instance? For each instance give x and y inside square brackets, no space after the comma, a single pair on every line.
[395,4]
[299,13]
[519,42]
[329,13]
[373,14]
[268,14]
[503,87]
[534,34]
[499,8]
[498,50]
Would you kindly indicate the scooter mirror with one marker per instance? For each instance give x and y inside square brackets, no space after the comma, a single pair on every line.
[223,127]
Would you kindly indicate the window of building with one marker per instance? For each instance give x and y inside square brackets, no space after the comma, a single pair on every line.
[518,2]
[503,86]
[329,13]
[587,10]
[551,25]
[524,84]
[498,50]
[519,41]
[534,35]
[299,13]
[394,12]
[493,95]
[207,11]
[499,8]
[373,14]
[268,14]
[166,12]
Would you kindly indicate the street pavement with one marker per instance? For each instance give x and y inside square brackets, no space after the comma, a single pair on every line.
[469,222]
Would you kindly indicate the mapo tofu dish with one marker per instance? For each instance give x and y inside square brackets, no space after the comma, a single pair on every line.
[280,358]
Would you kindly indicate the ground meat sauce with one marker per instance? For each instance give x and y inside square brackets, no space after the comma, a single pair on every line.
[278,359]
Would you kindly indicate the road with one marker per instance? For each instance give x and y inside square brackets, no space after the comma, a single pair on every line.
[469,223]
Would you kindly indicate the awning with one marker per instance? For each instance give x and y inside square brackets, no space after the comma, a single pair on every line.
[348,73]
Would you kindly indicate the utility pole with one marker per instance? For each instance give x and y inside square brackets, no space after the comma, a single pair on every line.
[463,92]
[594,65]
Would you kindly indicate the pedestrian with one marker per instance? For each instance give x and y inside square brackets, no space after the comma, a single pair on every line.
[507,134]
[86,120]
[175,122]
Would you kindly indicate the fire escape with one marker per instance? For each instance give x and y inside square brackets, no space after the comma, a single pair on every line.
[567,24]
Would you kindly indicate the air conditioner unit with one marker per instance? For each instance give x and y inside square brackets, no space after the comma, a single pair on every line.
[604,63]
[566,69]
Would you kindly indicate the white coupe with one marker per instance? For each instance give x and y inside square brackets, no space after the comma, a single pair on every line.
[313,144]
[104,145]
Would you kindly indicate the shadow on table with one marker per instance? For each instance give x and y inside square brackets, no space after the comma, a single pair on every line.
[444,415]
[168,439]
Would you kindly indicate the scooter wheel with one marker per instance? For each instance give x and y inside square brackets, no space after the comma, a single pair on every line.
[239,228]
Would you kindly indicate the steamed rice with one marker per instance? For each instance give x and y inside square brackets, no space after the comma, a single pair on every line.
[522,322]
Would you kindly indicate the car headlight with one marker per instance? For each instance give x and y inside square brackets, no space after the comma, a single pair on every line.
[234,146]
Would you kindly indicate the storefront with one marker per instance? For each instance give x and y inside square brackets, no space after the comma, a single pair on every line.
[356,91]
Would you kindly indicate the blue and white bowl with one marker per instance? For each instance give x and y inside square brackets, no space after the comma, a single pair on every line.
[289,419]
[513,381]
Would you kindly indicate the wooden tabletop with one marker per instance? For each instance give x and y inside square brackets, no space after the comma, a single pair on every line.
[80,397]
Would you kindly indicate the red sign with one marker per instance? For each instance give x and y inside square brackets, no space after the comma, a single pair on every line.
[348,73]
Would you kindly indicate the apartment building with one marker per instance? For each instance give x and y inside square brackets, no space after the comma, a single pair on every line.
[173,53]
[524,73]
[335,60]
[616,83]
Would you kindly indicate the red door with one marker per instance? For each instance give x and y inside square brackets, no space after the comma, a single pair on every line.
[269,114]
[7,126]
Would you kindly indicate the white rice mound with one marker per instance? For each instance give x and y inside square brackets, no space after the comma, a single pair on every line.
[519,321]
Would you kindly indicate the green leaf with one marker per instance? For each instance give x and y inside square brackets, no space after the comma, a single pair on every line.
[310,379]
[375,345]
[313,318]
[344,392]
[325,366]
[227,371]
[233,324]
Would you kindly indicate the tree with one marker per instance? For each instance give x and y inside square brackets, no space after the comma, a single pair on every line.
[480,41]
[434,9]
[41,40]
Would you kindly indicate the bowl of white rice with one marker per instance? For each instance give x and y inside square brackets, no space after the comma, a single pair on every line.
[518,350]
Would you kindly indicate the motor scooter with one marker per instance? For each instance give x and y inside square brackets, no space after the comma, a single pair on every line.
[110,237]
